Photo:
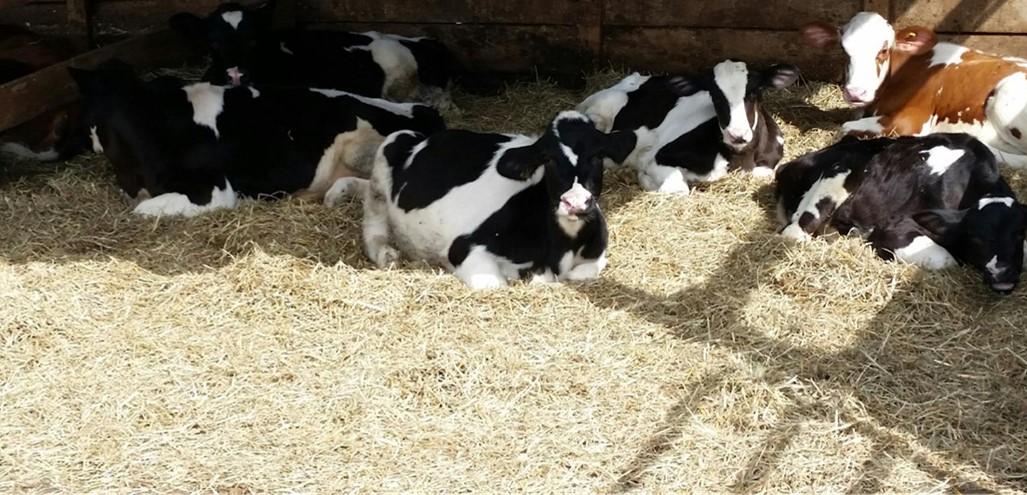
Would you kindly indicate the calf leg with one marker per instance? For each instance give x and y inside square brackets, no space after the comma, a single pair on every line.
[587,270]
[190,197]
[868,126]
[1007,113]
[345,187]
[906,240]
[663,179]
[376,228]
[480,271]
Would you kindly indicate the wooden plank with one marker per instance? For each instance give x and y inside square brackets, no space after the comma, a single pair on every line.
[965,16]
[883,7]
[49,88]
[80,30]
[563,49]
[130,16]
[43,18]
[768,14]
[563,12]
[660,49]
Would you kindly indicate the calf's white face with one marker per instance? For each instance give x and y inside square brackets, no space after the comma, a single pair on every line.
[867,39]
[735,90]
[732,78]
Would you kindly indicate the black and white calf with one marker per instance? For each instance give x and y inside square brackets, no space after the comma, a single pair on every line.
[493,207]
[244,48]
[932,201]
[184,149]
[694,128]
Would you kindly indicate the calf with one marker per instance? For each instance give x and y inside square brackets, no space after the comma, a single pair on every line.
[493,207]
[189,148]
[244,48]
[694,129]
[50,135]
[909,84]
[931,201]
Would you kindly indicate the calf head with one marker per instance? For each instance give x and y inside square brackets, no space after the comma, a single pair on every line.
[571,151]
[736,90]
[231,33]
[989,237]
[102,91]
[874,49]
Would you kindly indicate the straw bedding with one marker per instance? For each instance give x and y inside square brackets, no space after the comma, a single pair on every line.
[257,350]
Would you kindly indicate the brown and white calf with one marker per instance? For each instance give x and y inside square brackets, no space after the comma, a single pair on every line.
[909,84]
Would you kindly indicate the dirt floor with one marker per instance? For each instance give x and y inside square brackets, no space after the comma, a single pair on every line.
[257,349]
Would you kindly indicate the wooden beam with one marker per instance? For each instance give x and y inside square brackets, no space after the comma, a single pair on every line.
[80,29]
[883,7]
[23,99]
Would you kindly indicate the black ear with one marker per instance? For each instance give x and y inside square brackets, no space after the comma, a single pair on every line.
[820,34]
[780,76]
[619,144]
[189,25]
[940,222]
[521,163]
[684,86]
[86,80]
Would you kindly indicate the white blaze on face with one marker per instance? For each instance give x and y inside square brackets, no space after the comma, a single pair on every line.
[993,267]
[732,78]
[575,200]
[863,38]
[97,147]
[569,153]
[233,18]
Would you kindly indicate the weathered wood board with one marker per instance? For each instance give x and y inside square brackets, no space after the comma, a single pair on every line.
[963,16]
[49,88]
[737,14]
[566,12]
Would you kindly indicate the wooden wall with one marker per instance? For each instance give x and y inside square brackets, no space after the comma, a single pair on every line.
[659,35]
[574,35]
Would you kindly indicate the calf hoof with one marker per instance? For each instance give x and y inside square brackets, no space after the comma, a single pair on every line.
[386,257]
[763,172]
[545,277]
[485,281]
[674,187]
[341,189]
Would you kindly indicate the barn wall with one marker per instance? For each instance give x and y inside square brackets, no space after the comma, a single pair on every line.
[574,35]
[658,35]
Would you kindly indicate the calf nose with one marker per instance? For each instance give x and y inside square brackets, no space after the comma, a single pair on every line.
[737,137]
[234,76]
[855,94]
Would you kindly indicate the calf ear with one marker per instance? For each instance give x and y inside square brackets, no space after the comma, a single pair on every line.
[683,86]
[266,14]
[87,81]
[521,163]
[780,75]
[915,40]
[939,222]
[619,144]
[820,34]
[189,25]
